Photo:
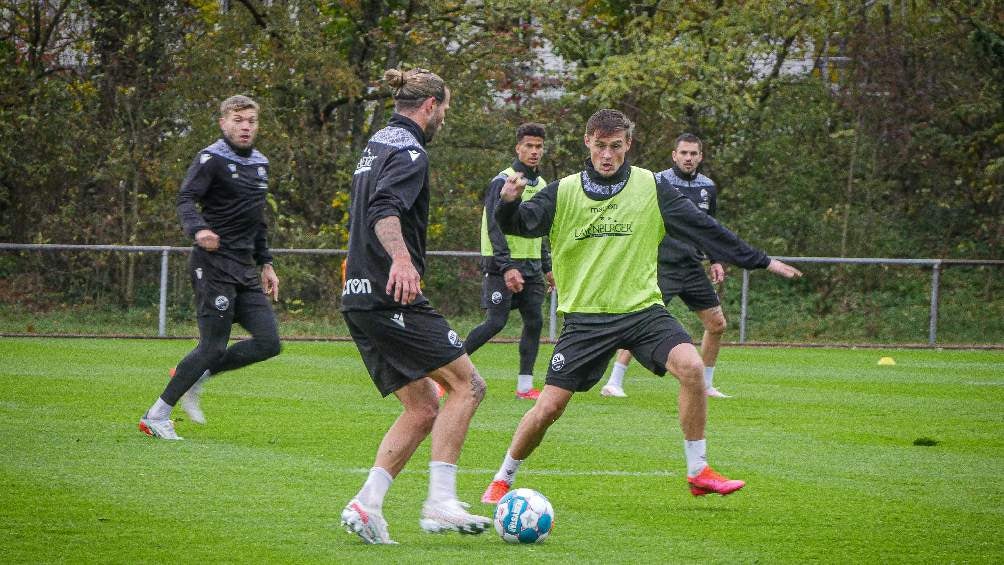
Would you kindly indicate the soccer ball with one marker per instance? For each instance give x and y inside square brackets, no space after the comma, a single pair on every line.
[524,516]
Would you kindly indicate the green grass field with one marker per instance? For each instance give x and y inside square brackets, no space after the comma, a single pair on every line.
[825,439]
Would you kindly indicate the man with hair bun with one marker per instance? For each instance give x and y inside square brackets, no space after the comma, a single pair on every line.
[517,270]
[221,205]
[406,345]
[610,218]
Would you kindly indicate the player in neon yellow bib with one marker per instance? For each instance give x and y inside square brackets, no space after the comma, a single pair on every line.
[610,218]
[516,270]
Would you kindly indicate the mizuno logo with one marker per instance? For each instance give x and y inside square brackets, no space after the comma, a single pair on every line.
[414,154]
[398,319]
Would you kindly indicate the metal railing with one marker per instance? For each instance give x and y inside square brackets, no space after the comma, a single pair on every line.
[166,250]
[936,266]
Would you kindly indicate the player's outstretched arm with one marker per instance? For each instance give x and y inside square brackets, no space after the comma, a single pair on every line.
[783,269]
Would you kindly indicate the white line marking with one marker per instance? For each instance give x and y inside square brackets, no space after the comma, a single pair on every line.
[547,472]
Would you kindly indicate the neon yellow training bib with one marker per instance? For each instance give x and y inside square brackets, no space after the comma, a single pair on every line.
[605,252]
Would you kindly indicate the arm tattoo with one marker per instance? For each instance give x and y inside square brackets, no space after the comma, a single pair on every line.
[388,231]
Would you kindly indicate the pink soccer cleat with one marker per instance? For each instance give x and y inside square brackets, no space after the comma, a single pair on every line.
[495,491]
[710,482]
[531,394]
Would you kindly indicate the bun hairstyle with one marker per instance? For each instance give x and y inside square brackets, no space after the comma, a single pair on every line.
[411,88]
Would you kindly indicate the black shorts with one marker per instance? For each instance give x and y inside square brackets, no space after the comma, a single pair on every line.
[588,342]
[403,345]
[691,284]
[495,294]
[220,282]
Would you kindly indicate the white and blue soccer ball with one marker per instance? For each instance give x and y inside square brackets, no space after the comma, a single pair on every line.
[524,516]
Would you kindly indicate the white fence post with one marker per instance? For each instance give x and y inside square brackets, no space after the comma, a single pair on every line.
[162,319]
[932,333]
[553,315]
[742,306]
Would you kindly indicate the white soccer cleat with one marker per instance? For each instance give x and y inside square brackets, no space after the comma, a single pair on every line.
[451,516]
[367,524]
[190,400]
[713,392]
[613,390]
[162,429]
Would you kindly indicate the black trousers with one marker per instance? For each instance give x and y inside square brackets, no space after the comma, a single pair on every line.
[225,292]
[498,301]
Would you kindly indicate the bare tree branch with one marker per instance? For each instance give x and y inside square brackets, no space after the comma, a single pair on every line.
[782,56]
[54,23]
[262,22]
[331,106]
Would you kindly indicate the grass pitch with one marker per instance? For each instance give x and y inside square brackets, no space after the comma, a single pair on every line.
[824,438]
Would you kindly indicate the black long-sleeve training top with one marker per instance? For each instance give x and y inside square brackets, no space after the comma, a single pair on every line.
[704,194]
[224,191]
[391,179]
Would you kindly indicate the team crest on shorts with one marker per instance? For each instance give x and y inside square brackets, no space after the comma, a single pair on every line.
[558,362]
[454,339]
[496,297]
[221,303]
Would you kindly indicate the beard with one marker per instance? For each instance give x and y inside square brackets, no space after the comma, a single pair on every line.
[431,129]
[434,126]
[235,140]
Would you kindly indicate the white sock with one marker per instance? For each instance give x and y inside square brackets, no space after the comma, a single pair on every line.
[159,411]
[617,375]
[507,472]
[375,488]
[442,481]
[709,375]
[697,455]
[524,383]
